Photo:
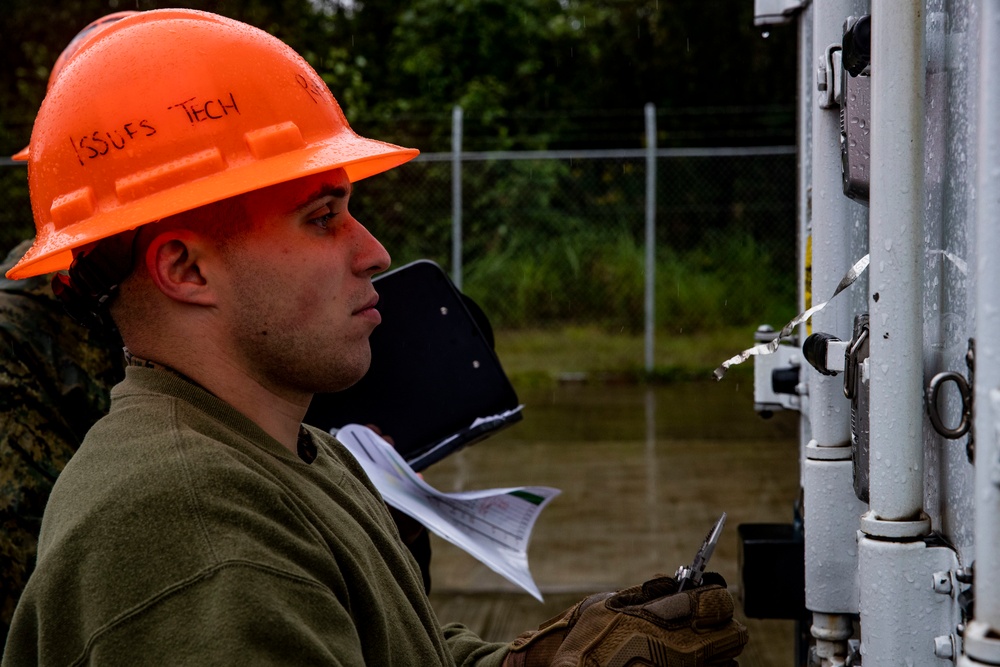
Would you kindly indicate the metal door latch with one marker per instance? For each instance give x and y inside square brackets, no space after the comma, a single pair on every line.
[857,390]
[830,355]
[828,78]
[855,355]
[855,108]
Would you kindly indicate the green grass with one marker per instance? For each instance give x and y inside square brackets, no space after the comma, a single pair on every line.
[596,278]
[537,357]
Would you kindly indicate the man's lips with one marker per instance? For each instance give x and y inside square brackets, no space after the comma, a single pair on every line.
[369,308]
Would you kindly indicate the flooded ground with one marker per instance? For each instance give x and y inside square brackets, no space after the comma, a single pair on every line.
[644,473]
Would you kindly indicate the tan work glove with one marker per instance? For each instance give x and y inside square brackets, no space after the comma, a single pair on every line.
[651,624]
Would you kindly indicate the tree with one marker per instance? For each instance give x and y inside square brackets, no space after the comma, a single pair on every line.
[529,74]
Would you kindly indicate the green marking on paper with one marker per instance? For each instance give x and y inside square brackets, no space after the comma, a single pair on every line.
[532,498]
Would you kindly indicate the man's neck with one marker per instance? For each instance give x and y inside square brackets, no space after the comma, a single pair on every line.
[279,416]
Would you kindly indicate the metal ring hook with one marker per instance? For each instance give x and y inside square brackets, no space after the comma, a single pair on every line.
[933,390]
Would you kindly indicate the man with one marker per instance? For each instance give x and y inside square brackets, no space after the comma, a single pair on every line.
[56,380]
[197,173]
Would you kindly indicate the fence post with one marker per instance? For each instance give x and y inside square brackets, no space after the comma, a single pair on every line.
[650,232]
[456,196]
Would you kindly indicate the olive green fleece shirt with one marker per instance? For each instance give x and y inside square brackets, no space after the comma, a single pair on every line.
[182,534]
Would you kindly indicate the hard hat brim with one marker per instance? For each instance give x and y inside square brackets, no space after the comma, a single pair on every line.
[358,156]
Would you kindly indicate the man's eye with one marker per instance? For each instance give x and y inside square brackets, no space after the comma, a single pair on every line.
[323,221]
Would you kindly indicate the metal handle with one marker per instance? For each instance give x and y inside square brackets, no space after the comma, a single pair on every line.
[851,363]
[934,388]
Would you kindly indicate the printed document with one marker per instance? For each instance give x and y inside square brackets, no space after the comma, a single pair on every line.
[493,525]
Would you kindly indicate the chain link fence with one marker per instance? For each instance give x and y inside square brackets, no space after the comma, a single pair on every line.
[555,238]
[550,239]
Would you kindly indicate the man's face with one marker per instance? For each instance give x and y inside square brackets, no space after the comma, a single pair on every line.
[300,303]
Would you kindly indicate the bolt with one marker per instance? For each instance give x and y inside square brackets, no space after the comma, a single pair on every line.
[944,647]
[942,582]
[964,574]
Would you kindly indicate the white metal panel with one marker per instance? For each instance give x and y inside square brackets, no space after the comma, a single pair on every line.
[901,614]
[949,253]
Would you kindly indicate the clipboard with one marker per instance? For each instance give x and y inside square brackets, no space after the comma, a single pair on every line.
[435,384]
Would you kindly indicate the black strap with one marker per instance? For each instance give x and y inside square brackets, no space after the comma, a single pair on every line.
[93,281]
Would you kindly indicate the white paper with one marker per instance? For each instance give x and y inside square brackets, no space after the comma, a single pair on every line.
[493,525]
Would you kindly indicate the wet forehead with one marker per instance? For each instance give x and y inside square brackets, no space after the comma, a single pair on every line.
[293,196]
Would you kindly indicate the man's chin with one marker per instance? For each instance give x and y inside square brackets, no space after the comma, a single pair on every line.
[342,377]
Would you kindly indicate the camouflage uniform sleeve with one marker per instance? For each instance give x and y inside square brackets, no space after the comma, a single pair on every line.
[55,379]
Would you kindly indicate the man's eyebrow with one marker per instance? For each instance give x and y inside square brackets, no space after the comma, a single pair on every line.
[324,191]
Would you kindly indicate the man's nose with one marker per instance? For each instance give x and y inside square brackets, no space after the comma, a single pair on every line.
[370,257]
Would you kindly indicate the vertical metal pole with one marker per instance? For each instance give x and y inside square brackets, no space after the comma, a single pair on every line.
[456,196]
[806,108]
[803,135]
[831,256]
[831,509]
[895,281]
[981,643]
[650,232]
[806,101]
[891,554]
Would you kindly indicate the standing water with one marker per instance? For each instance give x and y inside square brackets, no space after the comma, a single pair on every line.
[644,473]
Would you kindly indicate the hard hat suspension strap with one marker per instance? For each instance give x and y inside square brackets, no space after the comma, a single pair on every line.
[94,278]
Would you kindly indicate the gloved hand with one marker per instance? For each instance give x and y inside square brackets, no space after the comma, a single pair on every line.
[651,624]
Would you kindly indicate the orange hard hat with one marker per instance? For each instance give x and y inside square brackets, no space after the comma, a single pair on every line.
[171,110]
[91,30]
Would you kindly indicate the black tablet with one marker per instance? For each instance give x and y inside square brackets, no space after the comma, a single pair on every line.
[434,372]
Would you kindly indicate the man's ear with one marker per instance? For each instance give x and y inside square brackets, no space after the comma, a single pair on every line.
[174,261]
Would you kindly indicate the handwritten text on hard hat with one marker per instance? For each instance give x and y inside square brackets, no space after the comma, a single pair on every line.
[198,112]
[98,143]
[316,91]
